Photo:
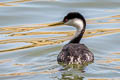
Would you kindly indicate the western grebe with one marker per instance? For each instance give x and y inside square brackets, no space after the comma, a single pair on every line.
[74,52]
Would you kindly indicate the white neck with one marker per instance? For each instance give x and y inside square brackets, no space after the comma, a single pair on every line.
[78,24]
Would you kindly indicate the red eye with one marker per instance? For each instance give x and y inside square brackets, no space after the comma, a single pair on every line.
[66,20]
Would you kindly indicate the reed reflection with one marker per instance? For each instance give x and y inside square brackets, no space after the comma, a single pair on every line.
[35,42]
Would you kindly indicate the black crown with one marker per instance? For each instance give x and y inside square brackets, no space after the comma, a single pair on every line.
[73,15]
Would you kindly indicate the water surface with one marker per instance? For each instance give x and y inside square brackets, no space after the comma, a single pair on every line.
[29,47]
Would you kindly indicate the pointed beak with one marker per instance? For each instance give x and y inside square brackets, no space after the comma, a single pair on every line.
[56,24]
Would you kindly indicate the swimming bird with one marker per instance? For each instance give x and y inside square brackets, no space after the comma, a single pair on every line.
[75,52]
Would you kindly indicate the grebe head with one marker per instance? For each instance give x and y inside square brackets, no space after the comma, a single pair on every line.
[75,19]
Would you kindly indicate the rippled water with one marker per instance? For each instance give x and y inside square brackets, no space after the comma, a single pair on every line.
[29,46]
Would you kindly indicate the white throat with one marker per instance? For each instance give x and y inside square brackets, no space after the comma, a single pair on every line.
[78,24]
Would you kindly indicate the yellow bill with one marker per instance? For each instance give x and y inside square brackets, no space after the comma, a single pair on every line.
[56,24]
